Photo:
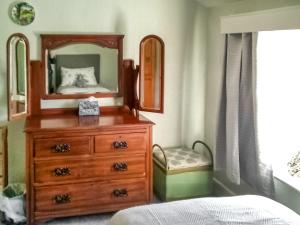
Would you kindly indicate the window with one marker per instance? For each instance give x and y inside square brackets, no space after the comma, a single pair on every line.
[278,99]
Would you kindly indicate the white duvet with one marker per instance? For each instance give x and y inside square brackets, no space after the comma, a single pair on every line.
[238,210]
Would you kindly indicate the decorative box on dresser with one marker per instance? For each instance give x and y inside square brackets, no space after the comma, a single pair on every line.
[84,165]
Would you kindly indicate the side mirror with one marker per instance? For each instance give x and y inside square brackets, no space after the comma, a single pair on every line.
[17,76]
[151,70]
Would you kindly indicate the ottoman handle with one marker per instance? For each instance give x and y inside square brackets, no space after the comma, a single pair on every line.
[207,148]
[160,148]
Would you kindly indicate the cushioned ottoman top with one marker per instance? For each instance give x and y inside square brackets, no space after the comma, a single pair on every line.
[181,158]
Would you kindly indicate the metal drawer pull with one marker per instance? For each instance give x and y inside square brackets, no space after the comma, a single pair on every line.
[120,145]
[60,172]
[120,193]
[62,199]
[61,148]
[122,166]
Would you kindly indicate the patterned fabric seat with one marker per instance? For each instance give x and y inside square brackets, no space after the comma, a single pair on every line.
[182,172]
[181,158]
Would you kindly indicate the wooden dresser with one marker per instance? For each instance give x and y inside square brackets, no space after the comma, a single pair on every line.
[84,165]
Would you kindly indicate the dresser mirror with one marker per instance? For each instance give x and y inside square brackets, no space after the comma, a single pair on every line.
[17,76]
[79,66]
[151,79]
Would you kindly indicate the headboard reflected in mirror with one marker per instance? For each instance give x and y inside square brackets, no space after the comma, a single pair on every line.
[79,66]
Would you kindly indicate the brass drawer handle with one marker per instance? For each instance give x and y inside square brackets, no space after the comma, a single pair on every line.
[120,193]
[61,148]
[120,145]
[60,172]
[62,199]
[121,166]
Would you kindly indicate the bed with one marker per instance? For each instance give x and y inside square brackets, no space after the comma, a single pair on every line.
[237,210]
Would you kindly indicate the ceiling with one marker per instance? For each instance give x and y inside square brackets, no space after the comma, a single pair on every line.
[214,3]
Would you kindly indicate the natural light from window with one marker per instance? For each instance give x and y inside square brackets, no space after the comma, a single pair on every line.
[278,99]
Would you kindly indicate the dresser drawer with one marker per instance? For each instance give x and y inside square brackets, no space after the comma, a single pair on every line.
[62,146]
[103,168]
[94,194]
[116,143]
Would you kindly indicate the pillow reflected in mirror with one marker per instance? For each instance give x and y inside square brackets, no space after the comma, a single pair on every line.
[69,76]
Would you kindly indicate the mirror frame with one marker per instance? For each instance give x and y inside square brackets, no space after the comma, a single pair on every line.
[53,41]
[162,66]
[8,69]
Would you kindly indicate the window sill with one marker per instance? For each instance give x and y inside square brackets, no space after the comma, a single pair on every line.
[286,178]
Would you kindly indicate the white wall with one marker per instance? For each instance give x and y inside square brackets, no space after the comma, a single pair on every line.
[180,23]
[193,102]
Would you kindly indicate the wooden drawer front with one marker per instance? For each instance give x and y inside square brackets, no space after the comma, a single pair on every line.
[116,143]
[62,146]
[70,169]
[95,194]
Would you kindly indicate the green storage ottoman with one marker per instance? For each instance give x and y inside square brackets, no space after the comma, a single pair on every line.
[182,172]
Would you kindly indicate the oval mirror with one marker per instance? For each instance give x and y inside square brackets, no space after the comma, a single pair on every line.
[17,76]
[151,74]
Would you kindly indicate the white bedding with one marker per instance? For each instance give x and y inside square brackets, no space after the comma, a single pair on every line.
[82,90]
[238,210]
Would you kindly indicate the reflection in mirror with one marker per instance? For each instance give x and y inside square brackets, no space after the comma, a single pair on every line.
[151,74]
[17,72]
[82,68]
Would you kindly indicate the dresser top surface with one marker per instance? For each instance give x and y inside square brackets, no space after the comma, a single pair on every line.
[75,122]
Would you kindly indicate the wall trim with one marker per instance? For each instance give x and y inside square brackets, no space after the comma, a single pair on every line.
[284,18]
[224,187]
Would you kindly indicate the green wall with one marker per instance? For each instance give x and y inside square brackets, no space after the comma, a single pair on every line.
[16,151]
[180,23]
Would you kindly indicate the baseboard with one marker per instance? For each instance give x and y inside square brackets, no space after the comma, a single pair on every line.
[224,187]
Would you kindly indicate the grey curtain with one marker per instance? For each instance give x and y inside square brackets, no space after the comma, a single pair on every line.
[237,150]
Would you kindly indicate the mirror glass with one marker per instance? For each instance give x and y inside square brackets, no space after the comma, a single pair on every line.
[81,68]
[81,65]
[151,74]
[17,71]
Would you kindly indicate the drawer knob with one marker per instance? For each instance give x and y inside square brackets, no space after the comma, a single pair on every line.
[120,193]
[61,148]
[121,166]
[62,199]
[60,172]
[120,145]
